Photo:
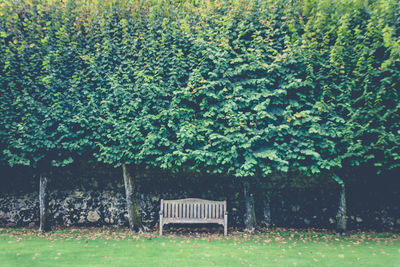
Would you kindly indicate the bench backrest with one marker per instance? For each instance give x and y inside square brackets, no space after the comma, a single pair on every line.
[193,208]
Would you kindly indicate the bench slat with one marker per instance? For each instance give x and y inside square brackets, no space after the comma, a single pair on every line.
[199,208]
[213,211]
[199,211]
[175,209]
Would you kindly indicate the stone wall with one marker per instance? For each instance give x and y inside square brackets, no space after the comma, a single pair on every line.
[107,207]
[74,208]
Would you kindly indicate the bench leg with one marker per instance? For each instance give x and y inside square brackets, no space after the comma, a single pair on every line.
[225,225]
[161,224]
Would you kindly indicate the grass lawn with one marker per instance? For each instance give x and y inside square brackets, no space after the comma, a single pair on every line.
[116,247]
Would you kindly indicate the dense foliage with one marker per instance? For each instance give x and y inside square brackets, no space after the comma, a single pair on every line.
[241,88]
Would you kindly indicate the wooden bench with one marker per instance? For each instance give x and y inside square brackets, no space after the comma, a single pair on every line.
[193,210]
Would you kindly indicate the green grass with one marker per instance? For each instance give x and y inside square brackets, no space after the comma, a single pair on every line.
[116,247]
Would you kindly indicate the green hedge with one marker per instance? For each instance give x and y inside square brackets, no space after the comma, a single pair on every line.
[243,88]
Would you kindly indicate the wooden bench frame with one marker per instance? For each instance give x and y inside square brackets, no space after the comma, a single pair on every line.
[193,210]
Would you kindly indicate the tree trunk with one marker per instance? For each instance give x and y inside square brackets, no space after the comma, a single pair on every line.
[341,226]
[249,215]
[44,212]
[135,220]
[266,220]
